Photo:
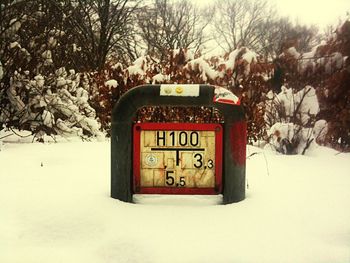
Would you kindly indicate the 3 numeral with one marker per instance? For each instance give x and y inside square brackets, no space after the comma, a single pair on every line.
[198,162]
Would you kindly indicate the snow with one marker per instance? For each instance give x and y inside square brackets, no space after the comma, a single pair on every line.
[204,68]
[282,107]
[48,118]
[313,52]
[250,56]
[139,66]
[1,71]
[313,59]
[293,52]
[159,78]
[52,42]
[320,130]
[55,207]
[40,81]
[112,83]
[308,103]
[47,56]
[14,44]
[117,66]
[230,63]
[69,103]
[189,55]
[14,26]
[337,59]
[76,48]
[225,96]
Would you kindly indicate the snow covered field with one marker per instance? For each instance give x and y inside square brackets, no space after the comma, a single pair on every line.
[55,207]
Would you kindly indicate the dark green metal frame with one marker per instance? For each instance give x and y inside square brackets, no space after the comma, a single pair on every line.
[124,114]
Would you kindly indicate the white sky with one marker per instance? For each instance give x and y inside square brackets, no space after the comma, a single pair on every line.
[317,12]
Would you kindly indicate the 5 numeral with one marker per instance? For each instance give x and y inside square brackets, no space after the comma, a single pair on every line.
[170,179]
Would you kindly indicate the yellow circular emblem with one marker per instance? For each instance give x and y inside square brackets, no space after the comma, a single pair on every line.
[179,90]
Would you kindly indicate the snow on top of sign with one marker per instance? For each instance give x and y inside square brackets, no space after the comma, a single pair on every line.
[225,96]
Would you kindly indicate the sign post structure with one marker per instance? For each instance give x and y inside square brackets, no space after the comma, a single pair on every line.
[178,158]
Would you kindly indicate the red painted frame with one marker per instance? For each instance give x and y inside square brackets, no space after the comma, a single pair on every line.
[138,127]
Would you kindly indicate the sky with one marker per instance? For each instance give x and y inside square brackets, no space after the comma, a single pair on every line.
[321,13]
[310,12]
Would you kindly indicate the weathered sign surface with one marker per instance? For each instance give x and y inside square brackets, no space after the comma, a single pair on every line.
[177,158]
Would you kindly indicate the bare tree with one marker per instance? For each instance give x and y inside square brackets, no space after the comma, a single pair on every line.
[281,33]
[169,25]
[256,25]
[99,27]
[241,23]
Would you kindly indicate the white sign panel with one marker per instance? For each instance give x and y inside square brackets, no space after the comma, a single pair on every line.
[184,90]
